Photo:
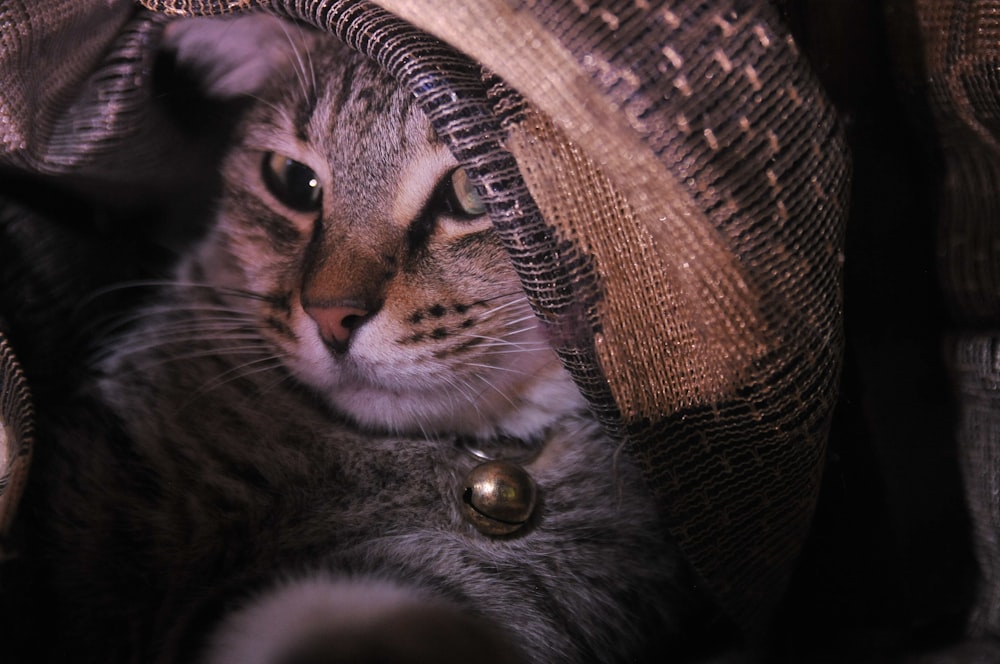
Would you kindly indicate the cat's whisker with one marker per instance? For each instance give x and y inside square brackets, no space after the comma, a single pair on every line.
[222,331]
[240,371]
[489,384]
[260,366]
[118,287]
[141,348]
[178,335]
[494,367]
[306,80]
[237,292]
[214,320]
[232,316]
[160,360]
[506,340]
[281,378]
[505,346]
[496,351]
[524,319]
[178,339]
[210,319]
[520,301]
[162,284]
[468,393]
[283,113]
[175,334]
[313,80]
[508,334]
[157,283]
[516,294]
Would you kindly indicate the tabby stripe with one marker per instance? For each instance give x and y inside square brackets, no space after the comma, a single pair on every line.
[282,234]
[281,327]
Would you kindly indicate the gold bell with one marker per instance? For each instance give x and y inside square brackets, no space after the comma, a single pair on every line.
[499,497]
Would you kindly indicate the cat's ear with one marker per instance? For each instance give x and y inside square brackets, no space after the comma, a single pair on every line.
[231,56]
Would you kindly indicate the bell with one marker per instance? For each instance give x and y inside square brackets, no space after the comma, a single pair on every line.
[499,497]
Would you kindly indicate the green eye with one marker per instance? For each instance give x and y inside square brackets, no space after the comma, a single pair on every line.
[293,183]
[460,197]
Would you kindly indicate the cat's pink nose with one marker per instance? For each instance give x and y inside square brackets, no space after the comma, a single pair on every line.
[336,323]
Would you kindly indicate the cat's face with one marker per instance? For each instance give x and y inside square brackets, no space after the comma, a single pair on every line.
[377,275]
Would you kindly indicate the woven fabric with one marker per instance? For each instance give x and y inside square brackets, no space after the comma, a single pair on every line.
[76,106]
[670,184]
[961,59]
[16,436]
[70,38]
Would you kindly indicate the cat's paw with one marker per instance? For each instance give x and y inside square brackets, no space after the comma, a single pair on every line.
[322,620]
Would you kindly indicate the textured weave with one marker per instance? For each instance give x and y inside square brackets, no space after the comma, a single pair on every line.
[70,39]
[962,58]
[16,436]
[670,184]
[76,104]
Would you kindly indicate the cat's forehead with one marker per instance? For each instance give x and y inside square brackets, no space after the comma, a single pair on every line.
[337,101]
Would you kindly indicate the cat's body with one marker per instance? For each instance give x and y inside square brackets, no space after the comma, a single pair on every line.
[290,424]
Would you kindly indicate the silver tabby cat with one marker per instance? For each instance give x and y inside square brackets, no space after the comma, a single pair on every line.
[300,407]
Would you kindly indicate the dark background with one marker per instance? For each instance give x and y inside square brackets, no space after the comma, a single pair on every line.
[888,571]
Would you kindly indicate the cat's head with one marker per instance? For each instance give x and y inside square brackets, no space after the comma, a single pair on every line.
[371,262]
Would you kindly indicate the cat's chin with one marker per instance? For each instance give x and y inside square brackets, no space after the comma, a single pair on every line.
[381,392]
[439,412]
[432,406]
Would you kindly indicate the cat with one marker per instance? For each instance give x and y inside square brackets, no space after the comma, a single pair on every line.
[268,463]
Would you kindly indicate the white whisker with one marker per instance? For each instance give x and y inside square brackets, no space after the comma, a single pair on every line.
[486,381]
[283,113]
[148,363]
[212,314]
[282,377]
[524,319]
[307,82]
[506,305]
[494,367]
[527,344]
[494,350]
[468,395]
[259,365]
[176,334]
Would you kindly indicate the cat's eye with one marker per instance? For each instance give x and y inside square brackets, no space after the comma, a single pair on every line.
[293,183]
[459,197]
